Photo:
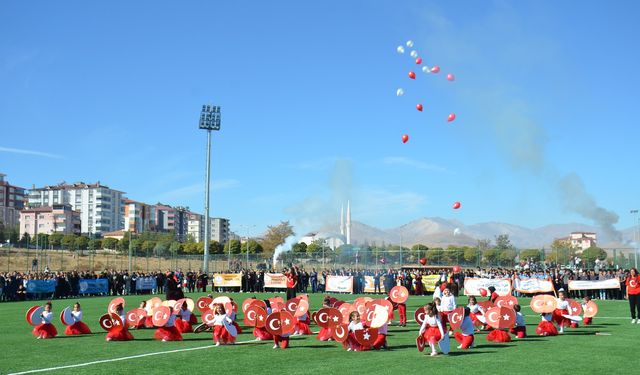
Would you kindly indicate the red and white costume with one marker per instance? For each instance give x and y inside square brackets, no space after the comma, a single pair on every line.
[466,337]
[220,333]
[431,329]
[562,308]
[45,330]
[78,327]
[474,311]
[120,333]
[546,327]
[169,332]
[402,312]
[447,305]
[520,329]
[302,326]
[262,334]
[232,316]
[381,341]
[351,342]
[184,323]
[585,320]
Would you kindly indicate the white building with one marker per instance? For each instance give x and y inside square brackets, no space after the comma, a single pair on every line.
[195,227]
[333,240]
[582,240]
[101,208]
[219,229]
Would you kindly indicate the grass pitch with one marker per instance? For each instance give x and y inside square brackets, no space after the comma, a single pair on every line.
[577,351]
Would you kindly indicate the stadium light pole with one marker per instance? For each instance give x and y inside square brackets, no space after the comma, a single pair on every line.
[636,234]
[209,120]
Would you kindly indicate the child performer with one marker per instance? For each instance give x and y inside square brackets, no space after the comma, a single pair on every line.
[475,310]
[586,321]
[431,328]
[354,324]
[302,326]
[147,322]
[562,308]
[232,315]
[546,327]
[45,330]
[281,340]
[447,305]
[120,333]
[262,334]
[381,341]
[184,323]
[169,332]
[78,327]
[325,333]
[220,332]
[493,295]
[466,337]
[520,329]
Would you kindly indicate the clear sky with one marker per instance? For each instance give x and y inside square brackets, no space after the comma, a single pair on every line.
[112,90]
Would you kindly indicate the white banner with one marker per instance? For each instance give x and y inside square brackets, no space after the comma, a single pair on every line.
[472,286]
[594,284]
[342,284]
[275,280]
[534,285]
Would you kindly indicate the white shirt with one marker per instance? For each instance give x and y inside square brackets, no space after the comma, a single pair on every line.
[77,316]
[563,305]
[431,321]
[218,320]
[467,326]
[185,315]
[474,308]
[353,326]
[519,320]
[448,303]
[46,317]
[437,293]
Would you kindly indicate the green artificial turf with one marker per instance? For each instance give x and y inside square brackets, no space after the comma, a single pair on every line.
[577,351]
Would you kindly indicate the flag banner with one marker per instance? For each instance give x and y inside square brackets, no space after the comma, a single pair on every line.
[275,280]
[369,284]
[94,286]
[227,280]
[342,284]
[594,284]
[472,286]
[41,286]
[145,283]
[429,282]
[533,285]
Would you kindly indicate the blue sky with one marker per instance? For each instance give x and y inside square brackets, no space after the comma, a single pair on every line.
[111,91]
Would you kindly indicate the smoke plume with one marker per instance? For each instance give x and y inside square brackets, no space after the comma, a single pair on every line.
[286,246]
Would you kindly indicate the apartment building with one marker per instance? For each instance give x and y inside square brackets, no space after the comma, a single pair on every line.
[59,218]
[11,202]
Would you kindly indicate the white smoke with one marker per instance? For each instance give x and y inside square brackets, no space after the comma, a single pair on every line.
[286,246]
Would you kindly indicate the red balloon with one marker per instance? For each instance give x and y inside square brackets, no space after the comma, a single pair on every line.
[412,75]
[456,269]
[423,261]
[435,69]
[419,60]
[483,292]
[405,138]
[419,107]
[450,77]
[456,205]
[452,116]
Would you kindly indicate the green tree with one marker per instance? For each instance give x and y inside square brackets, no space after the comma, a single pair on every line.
[136,245]
[507,257]
[561,251]
[435,256]
[110,243]
[69,241]
[123,244]
[454,254]
[148,246]
[176,247]
[3,234]
[25,240]
[95,244]
[315,247]
[234,245]
[215,247]
[42,240]
[254,247]
[503,242]
[14,236]
[299,248]
[81,243]
[491,255]
[591,254]
[161,247]
[276,235]
[534,254]
[470,254]
[483,245]
[55,239]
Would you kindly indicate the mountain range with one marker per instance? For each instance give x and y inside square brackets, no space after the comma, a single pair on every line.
[439,232]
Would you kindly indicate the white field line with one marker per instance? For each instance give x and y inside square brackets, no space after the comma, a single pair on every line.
[121,359]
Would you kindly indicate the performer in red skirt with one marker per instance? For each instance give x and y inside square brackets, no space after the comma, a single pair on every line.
[325,334]
[220,332]
[45,330]
[120,333]
[147,322]
[381,341]
[447,305]
[431,328]
[302,326]
[184,323]
[562,308]
[546,327]
[78,327]
[586,321]
[466,337]
[474,311]
[520,329]
[169,332]
[355,323]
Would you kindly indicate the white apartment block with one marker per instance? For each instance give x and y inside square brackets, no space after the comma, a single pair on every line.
[219,228]
[195,227]
[582,240]
[101,208]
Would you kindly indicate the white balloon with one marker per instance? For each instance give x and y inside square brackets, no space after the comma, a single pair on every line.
[414,54]
[400,49]
[400,92]
[425,69]
[456,232]
[410,43]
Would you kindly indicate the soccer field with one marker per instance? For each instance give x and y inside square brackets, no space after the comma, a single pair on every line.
[577,351]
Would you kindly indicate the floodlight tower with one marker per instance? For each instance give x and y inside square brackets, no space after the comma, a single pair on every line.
[209,120]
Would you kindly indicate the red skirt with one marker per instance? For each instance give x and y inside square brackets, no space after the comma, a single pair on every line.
[119,334]
[465,341]
[302,328]
[148,322]
[352,343]
[168,334]
[184,326]
[220,334]
[283,342]
[498,335]
[587,321]
[262,334]
[432,335]
[380,341]
[46,331]
[77,328]
[324,334]
[546,328]
[519,331]
[559,319]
